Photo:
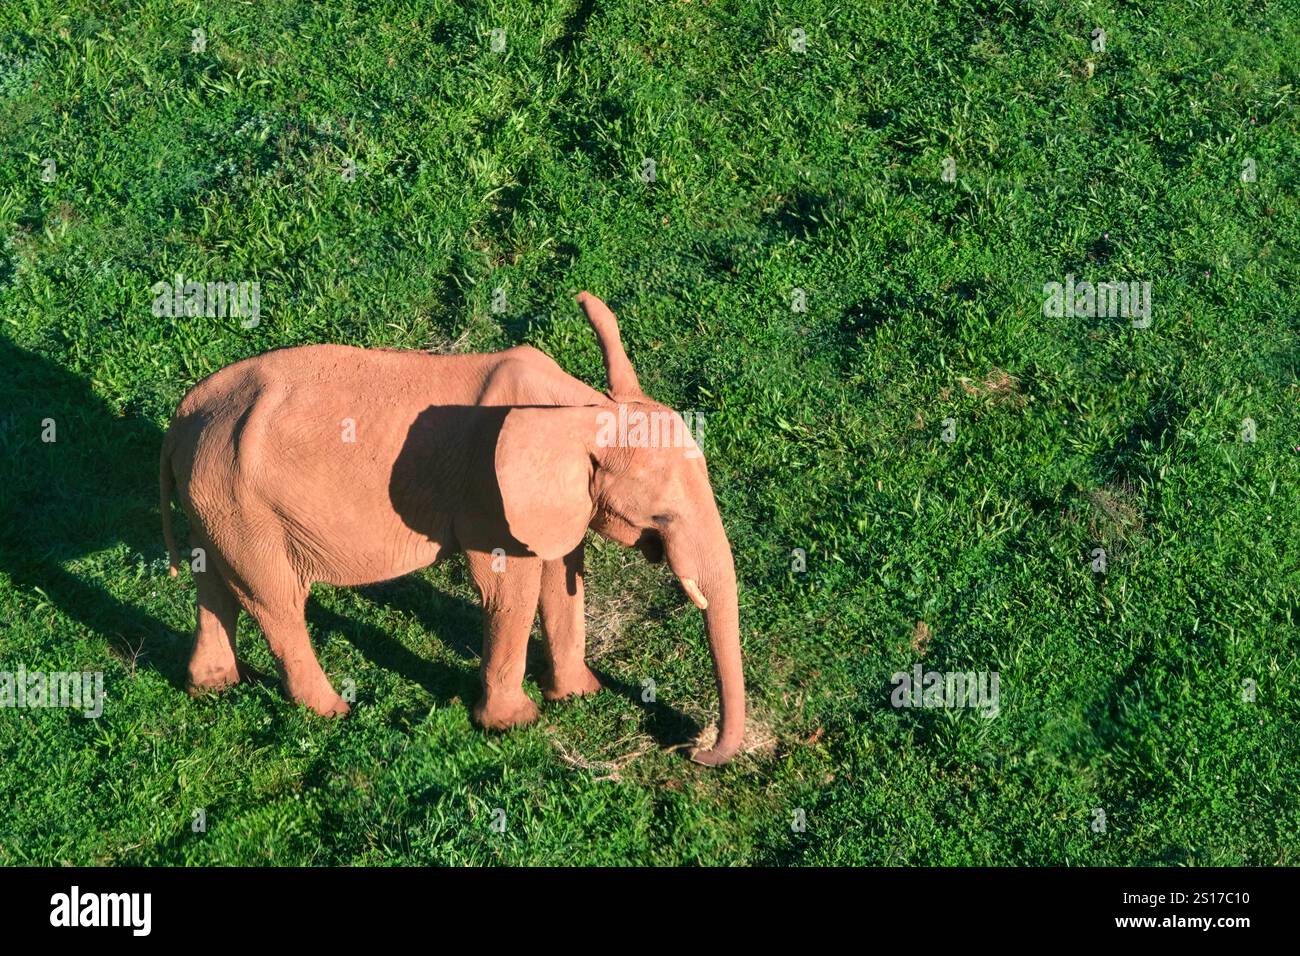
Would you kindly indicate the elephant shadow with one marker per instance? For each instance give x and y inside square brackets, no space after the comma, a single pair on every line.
[75,479]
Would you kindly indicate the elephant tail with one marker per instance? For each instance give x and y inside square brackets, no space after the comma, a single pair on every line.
[165,483]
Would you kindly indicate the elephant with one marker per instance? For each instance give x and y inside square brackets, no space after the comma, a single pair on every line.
[350,466]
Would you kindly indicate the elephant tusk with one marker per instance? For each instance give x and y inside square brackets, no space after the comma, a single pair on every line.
[695,594]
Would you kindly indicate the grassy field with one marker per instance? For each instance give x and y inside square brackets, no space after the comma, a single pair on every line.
[947,456]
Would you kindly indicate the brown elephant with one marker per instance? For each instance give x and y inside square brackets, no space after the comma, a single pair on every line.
[352,466]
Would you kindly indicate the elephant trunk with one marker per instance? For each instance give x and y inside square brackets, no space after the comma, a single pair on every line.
[623,384]
[714,591]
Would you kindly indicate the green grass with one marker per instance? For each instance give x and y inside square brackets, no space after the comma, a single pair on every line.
[775,170]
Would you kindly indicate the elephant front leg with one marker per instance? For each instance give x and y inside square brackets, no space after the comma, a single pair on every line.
[508,587]
[565,627]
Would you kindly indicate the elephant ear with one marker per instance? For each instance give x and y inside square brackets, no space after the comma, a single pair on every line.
[544,472]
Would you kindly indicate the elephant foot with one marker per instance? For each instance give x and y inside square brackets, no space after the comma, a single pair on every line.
[211,679]
[498,712]
[328,705]
[333,706]
[575,684]
[320,697]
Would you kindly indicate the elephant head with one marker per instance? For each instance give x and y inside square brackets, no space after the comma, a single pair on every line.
[631,470]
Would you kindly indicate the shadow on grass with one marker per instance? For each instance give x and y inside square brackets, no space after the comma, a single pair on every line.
[667,726]
[575,27]
[93,487]
[452,620]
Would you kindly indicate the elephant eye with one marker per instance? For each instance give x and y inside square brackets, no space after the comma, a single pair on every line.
[661,520]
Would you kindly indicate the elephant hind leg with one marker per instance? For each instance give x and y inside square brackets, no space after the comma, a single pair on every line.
[213,665]
[285,626]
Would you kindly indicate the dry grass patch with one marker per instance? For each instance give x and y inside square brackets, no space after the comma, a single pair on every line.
[997,386]
[1114,513]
